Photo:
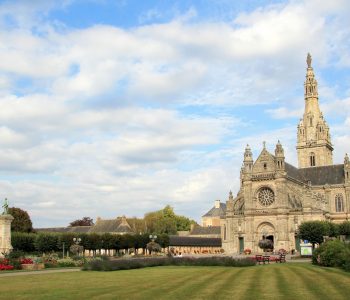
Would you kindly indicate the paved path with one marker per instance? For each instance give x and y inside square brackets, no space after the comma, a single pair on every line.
[40,272]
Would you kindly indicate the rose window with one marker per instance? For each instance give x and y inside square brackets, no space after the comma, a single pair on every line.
[266,197]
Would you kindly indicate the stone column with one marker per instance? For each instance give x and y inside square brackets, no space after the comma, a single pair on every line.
[5,234]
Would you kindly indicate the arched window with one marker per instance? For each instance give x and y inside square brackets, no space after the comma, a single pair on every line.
[224,232]
[339,203]
[312,159]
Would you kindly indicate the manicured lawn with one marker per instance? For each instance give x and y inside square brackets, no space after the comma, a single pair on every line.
[274,281]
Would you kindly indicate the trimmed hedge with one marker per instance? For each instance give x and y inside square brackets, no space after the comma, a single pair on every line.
[53,242]
[137,263]
[22,241]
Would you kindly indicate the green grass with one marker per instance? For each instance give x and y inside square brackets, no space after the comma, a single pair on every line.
[274,281]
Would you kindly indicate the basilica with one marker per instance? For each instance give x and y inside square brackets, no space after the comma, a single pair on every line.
[275,197]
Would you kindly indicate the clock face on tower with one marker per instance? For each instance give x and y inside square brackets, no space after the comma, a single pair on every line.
[266,196]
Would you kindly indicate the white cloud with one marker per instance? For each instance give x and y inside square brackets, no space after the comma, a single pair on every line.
[123,121]
[284,112]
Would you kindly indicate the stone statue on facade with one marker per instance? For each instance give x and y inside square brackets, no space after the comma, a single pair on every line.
[308,60]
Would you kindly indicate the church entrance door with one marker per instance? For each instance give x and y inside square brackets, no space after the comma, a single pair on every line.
[270,237]
[241,245]
[265,230]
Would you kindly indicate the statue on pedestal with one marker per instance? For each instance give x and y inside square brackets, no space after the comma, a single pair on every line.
[5,230]
[5,207]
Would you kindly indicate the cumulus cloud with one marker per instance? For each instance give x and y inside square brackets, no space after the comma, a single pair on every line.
[105,120]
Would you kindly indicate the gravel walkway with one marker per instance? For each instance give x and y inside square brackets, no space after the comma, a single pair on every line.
[40,272]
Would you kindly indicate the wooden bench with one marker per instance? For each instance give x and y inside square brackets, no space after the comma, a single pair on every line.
[262,259]
[266,259]
[259,259]
[281,258]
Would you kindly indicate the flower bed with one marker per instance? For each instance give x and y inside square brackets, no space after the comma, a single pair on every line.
[26,261]
[247,251]
[5,265]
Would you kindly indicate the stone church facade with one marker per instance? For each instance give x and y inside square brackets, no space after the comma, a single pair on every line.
[275,197]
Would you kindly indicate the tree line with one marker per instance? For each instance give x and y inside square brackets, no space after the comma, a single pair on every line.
[315,231]
[163,221]
[55,242]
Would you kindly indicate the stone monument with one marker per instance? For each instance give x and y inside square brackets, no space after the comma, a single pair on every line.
[5,230]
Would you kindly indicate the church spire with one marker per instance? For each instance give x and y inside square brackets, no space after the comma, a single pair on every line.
[248,160]
[310,85]
[314,144]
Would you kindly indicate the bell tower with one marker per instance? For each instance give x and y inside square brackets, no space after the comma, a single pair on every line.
[313,138]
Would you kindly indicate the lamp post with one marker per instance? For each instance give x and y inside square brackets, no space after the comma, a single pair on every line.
[76,247]
[152,237]
[77,240]
[151,244]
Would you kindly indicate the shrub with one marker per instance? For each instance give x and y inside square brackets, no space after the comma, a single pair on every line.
[136,263]
[50,260]
[344,228]
[13,259]
[331,254]
[153,247]
[67,262]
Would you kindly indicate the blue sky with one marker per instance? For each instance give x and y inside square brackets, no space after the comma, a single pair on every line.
[122,107]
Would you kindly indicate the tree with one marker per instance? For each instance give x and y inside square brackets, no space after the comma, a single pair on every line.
[332,229]
[86,221]
[183,223]
[137,224]
[166,221]
[344,228]
[21,221]
[313,231]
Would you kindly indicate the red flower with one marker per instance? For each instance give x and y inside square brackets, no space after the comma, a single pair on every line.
[5,267]
[26,261]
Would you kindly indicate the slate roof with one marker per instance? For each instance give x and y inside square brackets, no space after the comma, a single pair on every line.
[175,240]
[118,225]
[293,172]
[217,212]
[333,174]
[78,229]
[114,226]
[199,230]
